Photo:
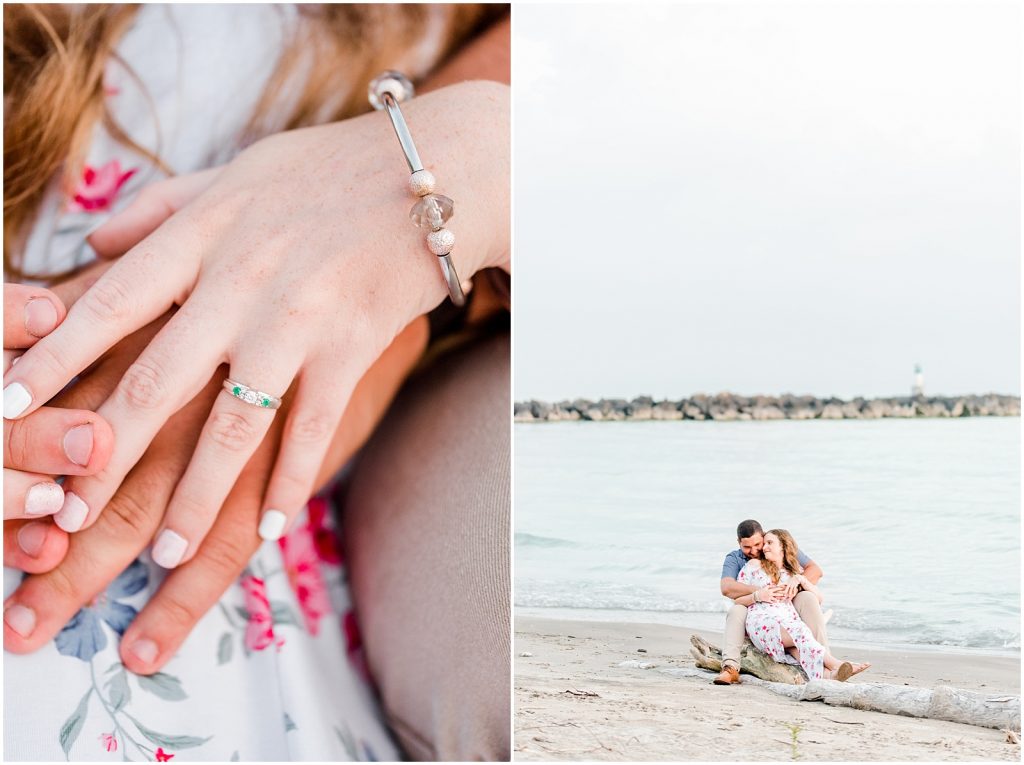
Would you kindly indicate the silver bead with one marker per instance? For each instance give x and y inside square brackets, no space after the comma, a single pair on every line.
[422,182]
[395,83]
[441,241]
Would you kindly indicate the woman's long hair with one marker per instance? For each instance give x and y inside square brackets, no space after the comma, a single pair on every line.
[789,553]
[55,56]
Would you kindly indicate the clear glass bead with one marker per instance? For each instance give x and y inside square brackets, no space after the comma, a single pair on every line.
[432,212]
[392,82]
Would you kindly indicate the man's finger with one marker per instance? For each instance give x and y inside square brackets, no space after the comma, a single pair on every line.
[29,314]
[58,441]
[33,546]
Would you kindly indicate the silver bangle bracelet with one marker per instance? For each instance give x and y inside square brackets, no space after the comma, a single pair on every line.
[432,211]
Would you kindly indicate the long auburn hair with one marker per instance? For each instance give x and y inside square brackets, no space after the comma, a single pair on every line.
[54,60]
[789,559]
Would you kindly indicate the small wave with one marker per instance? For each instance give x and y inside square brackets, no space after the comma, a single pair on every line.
[534,540]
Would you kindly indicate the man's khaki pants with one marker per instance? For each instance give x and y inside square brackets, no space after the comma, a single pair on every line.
[807,606]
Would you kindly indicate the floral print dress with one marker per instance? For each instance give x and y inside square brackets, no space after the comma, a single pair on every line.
[766,620]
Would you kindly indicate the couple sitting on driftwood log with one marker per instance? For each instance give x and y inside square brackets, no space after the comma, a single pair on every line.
[777,604]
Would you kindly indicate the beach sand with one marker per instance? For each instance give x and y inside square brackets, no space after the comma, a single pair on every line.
[649,715]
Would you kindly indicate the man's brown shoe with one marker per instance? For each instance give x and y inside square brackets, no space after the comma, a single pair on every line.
[728,676]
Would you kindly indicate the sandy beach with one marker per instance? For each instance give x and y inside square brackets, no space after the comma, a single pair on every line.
[646,714]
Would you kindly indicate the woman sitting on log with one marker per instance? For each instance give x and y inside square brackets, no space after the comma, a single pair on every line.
[776,628]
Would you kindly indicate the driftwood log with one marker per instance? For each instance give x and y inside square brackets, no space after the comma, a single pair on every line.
[752,661]
[1001,712]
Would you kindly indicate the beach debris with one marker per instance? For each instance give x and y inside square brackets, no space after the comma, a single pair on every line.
[634,664]
[941,703]
[585,694]
[752,662]
[641,650]
[526,654]
[1012,736]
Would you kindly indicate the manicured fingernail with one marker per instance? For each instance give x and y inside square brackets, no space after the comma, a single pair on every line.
[21,619]
[44,498]
[40,317]
[169,549]
[78,444]
[144,650]
[272,525]
[32,536]
[16,400]
[73,514]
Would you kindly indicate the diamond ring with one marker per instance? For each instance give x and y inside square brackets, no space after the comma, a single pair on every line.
[251,395]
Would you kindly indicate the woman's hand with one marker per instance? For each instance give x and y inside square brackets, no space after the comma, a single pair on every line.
[48,443]
[297,265]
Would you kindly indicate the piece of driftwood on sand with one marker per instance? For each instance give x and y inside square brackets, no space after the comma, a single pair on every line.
[1001,712]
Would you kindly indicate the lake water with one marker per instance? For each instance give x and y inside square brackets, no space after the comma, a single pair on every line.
[916,523]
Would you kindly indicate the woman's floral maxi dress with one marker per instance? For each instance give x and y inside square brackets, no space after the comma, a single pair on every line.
[765,620]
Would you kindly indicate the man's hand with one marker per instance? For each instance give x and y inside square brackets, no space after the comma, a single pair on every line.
[790,588]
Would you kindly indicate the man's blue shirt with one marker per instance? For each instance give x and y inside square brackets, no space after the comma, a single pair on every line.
[736,560]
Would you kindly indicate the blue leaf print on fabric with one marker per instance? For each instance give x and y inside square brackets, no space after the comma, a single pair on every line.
[83,637]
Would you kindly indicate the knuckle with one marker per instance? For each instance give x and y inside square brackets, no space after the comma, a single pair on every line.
[126,516]
[310,427]
[18,444]
[175,610]
[108,299]
[144,385]
[232,430]
[225,555]
[63,587]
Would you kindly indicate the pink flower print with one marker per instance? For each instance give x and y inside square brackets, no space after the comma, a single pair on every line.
[354,645]
[162,756]
[302,565]
[109,741]
[98,187]
[259,633]
[324,538]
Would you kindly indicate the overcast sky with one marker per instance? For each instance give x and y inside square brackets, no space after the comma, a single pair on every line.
[766,197]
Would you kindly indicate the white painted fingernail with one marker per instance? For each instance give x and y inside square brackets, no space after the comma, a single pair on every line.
[21,619]
[272,525]
[16,400]
[73,514]
[169,549]
[44,498]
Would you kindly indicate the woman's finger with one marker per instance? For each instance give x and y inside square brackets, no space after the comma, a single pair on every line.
[29,314]
[229,438]
[137,289]
[156,385]
[30,495]
[33,546]
[58,441]
[320,401]
[153,205]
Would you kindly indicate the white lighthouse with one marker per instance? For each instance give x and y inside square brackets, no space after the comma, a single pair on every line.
[918,390]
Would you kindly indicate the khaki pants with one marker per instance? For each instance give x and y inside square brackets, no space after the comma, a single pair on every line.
[735,626]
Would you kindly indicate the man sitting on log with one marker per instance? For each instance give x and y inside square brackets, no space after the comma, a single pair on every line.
[751,539]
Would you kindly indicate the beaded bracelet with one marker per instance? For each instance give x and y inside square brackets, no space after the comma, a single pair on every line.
[432,211]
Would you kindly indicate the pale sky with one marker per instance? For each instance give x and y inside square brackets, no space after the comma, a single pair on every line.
[766,197]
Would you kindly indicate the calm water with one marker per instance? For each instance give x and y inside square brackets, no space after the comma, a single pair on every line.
[916,523]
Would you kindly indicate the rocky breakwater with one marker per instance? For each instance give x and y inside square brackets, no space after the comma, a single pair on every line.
[730,406]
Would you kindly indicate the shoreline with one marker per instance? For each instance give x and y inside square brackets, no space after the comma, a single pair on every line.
[647,714]
[704,624]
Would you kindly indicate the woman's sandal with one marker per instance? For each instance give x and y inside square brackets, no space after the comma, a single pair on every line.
[858,668]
